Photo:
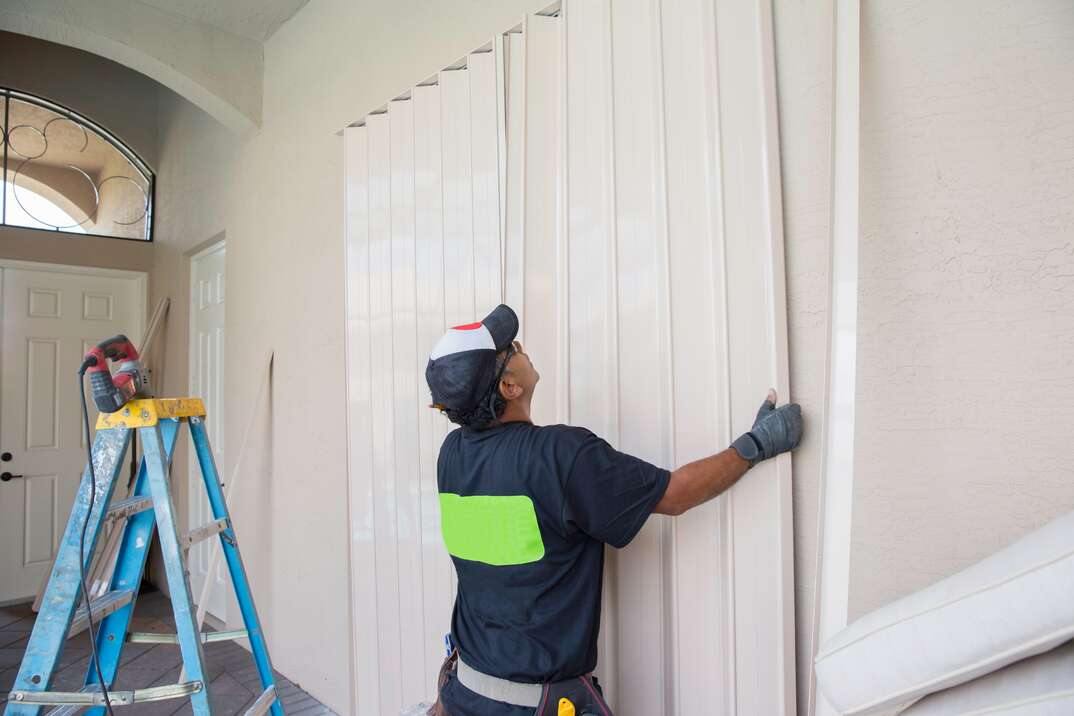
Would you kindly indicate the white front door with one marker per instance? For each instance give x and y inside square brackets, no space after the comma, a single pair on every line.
[51,315]
[207,382]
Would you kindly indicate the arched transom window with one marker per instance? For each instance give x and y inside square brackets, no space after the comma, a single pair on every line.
[63,172]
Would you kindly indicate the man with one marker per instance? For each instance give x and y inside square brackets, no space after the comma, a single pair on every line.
[525,512]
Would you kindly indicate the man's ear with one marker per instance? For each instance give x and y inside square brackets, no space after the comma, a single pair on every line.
[509,388]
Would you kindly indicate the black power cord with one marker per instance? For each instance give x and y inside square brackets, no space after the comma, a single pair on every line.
[82,543]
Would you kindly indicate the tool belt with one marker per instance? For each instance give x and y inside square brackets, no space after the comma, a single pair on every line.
[579,696]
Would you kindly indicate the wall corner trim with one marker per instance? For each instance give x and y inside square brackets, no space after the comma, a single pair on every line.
[832,587]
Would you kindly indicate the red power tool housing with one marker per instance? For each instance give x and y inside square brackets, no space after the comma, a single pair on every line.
[111,391]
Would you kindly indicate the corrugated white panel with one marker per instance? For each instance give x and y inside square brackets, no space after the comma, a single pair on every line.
[541,238]
[762,564]
[436,568]
[642,578]
[405,392]
[455,125]
[615,169]
[386,565]
[590,209]
[364,669]
[359,417]
[514,239]
[484,153]
[700,397]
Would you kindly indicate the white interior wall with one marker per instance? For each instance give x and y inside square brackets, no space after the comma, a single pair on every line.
[966,306]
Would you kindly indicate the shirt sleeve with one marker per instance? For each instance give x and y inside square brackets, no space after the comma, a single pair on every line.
[609,494]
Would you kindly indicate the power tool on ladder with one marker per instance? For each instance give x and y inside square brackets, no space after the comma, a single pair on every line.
[111,391]
[124,409]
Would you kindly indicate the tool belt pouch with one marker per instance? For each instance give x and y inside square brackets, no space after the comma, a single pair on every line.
[582,692]
[446,668]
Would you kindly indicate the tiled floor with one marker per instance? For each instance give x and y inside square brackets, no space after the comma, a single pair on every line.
[230,669]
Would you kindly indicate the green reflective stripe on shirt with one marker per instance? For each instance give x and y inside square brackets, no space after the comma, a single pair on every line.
[499,530]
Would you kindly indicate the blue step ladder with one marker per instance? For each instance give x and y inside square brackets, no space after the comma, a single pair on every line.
[149,508]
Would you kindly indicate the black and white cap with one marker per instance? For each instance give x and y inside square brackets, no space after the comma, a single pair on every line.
[462,365]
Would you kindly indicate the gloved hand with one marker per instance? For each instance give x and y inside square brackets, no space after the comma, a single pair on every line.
[775,431]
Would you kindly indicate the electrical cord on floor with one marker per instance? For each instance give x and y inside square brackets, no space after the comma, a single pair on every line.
[82,544]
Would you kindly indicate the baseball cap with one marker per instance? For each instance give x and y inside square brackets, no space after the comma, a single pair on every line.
[462,365]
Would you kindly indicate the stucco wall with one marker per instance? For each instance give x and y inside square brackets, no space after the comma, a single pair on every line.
[966,325]
[43,246]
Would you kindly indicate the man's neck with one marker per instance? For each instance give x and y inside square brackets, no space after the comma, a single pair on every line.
[516,413]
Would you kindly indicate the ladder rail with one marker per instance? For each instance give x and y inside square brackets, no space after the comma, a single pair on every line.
[127,575]
[49,635]
[190,646]
[229,545]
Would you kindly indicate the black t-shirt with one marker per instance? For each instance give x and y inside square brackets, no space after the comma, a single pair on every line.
[525,513]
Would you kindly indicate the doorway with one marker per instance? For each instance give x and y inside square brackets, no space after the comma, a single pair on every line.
[206,358]
[52,314]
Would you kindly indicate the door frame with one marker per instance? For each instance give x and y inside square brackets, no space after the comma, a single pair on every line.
[193,471]
[141,276]
[191,258]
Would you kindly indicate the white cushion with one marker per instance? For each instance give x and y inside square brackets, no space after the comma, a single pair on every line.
[1038,686]
[1009,606]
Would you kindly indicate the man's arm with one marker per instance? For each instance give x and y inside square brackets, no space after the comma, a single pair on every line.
[776,430]
[700,481]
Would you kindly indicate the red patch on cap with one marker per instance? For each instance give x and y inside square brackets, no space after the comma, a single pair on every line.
[467,327]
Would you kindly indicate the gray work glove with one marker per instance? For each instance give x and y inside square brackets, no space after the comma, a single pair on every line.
[775,431]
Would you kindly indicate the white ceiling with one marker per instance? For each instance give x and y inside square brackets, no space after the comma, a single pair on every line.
[254,19]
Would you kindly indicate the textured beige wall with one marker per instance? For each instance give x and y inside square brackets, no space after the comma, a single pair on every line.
[218,70]
[43,246]
[965,385]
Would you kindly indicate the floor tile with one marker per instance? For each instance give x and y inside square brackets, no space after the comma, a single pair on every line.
[230,670]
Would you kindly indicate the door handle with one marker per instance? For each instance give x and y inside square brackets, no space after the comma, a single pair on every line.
[5,476]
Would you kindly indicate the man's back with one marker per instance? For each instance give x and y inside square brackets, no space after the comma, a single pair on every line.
[525,511]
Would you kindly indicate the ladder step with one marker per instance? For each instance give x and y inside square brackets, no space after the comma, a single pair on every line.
[206,637]
[102,607]
[127,507]
[264,702]
[197,534]
[92,696]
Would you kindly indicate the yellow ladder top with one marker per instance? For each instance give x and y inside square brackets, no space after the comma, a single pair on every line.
[150,411]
